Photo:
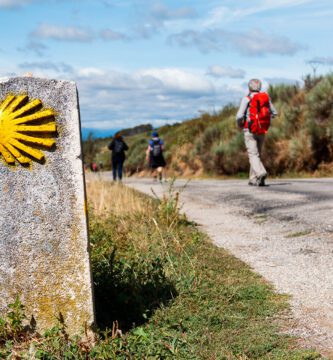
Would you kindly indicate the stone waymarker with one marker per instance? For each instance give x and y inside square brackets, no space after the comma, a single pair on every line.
[44,255]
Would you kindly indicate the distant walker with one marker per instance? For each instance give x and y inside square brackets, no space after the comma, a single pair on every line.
[254,117]
[118,148]
[154,155]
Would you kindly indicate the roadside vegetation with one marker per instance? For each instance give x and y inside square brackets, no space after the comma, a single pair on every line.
[163,291]
[299,141]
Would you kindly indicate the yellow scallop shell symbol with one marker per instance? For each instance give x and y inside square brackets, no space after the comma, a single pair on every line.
[25,129]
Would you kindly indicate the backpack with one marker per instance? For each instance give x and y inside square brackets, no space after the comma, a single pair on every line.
[118,147]
[259,113]
[157,148]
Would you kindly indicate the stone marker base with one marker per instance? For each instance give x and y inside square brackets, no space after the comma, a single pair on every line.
[44,252]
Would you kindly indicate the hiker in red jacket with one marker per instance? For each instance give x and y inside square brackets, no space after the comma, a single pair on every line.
[254,117]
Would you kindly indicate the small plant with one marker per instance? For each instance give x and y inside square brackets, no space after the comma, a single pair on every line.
[169,206]
[3,330]
[16,316]
[11,326]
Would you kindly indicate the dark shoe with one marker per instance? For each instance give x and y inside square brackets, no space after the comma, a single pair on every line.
[261,180]
[252,184]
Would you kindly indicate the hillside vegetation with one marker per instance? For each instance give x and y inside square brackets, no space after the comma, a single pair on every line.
[300,138]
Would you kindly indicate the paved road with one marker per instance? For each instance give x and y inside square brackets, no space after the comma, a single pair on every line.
[283,231]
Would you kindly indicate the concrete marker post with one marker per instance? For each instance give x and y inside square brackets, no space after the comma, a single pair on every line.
[44,249]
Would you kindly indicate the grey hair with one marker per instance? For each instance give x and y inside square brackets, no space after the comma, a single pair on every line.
[255,85]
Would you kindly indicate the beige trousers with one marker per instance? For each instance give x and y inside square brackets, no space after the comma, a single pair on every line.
[254,145]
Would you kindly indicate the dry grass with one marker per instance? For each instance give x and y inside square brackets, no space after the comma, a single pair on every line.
[126,206]
[105,198]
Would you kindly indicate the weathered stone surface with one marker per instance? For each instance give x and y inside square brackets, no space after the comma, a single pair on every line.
[44,255]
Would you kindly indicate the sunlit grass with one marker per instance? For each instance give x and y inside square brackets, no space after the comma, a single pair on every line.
[106,197]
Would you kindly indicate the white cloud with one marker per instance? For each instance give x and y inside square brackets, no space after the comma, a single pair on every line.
[278,4]
[252,43]
[90,72]
[47,66]
[221,14]
[36,47]
[122,99]
[55,32]
[218,16]
[269,5]
[178,80]
[161,12]
[8,4]
[159,16]
[225,72]
[257,42]
[111,35]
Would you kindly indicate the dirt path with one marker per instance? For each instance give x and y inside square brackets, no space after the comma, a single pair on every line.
[284,231]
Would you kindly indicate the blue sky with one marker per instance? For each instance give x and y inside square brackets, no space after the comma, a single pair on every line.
[138,61]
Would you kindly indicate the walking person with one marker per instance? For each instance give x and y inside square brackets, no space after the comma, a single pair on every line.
[254,117]
[154,155]
[118,148]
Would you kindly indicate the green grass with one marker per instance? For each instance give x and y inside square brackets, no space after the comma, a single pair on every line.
[172,294]
[260,218]
[298,234]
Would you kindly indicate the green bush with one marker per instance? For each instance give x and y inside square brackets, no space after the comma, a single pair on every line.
[230,156]
[291,120]
[319,120]
[282,92]
[319,102]
[300,151]
[136,155]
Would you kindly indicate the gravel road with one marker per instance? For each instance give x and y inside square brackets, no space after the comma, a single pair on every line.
[284,231]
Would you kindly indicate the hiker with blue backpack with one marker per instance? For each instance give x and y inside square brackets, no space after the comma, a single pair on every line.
[254,117]
[118,148]
[154,155]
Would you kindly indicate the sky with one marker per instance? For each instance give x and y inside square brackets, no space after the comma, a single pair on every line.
[158,62]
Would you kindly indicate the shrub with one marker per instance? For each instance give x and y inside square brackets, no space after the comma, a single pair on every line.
[319,120]
[300,153]
[283,92]
[212,146]
[311,81]
[319,101]
[230,156]
[136,156]
[291,120]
